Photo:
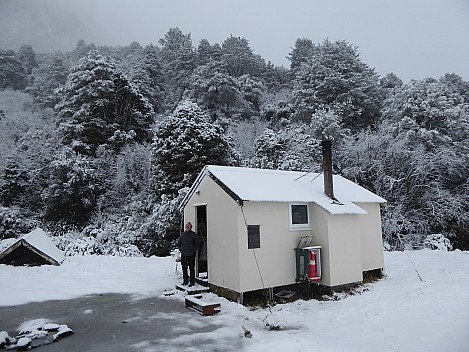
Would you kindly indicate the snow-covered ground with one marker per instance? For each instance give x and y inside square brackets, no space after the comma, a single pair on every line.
[399,313]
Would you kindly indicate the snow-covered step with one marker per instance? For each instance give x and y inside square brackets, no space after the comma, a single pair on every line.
[193,290]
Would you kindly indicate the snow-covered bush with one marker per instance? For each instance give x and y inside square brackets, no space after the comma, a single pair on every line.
[162,227]
[82,246]
[126,250]
[97,241]
[437,241]
[13,223]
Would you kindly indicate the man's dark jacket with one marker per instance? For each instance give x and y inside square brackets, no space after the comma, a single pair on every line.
[188,243]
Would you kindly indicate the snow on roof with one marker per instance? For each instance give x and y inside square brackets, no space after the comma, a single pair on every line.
[293,186]
[4,244]
[39,240]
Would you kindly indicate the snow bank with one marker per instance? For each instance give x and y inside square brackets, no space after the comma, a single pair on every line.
[84,275]
[401,312]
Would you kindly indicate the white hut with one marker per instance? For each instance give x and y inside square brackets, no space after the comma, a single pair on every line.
[253,219]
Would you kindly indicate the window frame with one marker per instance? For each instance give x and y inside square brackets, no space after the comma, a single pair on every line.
[258,234]
[304,226]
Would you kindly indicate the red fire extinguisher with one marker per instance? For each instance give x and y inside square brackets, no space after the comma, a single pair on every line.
[313,272]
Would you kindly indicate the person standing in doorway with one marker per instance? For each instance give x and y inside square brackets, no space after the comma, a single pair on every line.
[188,243]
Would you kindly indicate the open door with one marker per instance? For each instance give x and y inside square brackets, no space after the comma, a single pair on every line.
[201,260]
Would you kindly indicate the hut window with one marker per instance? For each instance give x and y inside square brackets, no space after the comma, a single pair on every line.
[299,216]
[254,236]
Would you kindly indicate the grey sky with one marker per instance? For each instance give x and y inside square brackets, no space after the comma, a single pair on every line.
[412,38]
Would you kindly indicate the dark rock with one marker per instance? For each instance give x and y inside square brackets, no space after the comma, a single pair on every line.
[51,327]
[63,331]
[4,339]
[23,344]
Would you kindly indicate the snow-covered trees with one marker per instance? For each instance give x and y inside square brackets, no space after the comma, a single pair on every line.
[12,73]
[48,77]
[417,161]
[146,74]
[433,105]
[216,91]
[334,77]
[130,173]
[73,188]
[100,106]
[184,143]
[408,142]
[178,60]
[207,52]
[301,53]
[238,58]
[15,180]
[27,57]
[291,148]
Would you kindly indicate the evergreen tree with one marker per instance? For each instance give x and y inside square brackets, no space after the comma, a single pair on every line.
[433,105]
[290,148]
[15,181]
[205,52]
[302,52]
[456,85]
[184,143]
[178,61]
[216,91]
[251,90]
[390,81]
[325,124]
[239,59]
[335,78]
[27,57]
[275,78]
[73,188]
[48,77]
[131,52]
[12,73]
[100,106]
[146,75]
[81,50]
[277,112]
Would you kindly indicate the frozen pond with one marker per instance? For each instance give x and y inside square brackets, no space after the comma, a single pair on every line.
[118,322]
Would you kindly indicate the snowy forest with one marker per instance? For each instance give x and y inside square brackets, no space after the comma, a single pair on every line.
[100,144]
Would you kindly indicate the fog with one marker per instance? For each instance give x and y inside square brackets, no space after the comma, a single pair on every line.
[414,39]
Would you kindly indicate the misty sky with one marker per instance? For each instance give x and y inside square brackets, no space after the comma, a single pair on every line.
[412,38]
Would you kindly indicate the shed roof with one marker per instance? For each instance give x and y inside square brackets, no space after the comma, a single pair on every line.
[262,185]
[38,242]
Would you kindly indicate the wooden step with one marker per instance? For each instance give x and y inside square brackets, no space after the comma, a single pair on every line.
[194,290]
[202,281]
[197,304]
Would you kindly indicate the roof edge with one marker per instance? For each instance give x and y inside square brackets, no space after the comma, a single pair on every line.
[40,253]
[205,171]
[193,188]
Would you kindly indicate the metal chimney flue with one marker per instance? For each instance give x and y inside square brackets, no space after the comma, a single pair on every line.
[327,168]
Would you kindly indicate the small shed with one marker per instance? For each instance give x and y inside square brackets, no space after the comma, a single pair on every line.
[252,220]
[34,248]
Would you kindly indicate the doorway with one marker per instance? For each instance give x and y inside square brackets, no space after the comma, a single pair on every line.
[201,226]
